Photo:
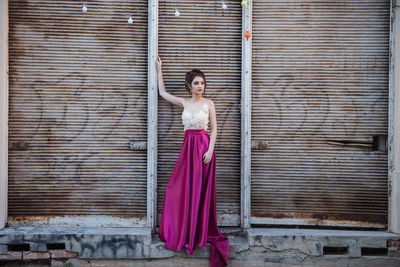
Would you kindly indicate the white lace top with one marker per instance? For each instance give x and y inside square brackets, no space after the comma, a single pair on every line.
[196,120]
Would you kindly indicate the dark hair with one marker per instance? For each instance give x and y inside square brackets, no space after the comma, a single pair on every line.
[190,75]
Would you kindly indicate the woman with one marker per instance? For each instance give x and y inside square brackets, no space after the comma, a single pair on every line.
[189,212]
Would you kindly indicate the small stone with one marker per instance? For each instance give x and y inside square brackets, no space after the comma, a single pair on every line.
[29,255]
[11,256]
[393,243]
[63,254]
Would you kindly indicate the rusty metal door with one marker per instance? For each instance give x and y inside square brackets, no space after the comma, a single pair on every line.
[208,38]
[319,112]
[78,99]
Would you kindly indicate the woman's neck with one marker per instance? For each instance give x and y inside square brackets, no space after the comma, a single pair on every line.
[197,97]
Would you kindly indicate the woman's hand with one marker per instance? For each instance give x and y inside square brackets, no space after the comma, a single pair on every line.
[159,63]
[207,157]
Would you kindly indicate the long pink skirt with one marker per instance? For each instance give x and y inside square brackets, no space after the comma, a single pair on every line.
[189,213]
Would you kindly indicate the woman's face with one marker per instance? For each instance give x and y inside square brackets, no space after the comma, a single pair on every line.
[198,85]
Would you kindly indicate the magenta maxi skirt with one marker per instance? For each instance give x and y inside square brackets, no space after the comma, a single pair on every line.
[189,213]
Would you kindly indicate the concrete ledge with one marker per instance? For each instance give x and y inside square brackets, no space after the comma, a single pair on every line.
[158,250]
[88,242]
[323,242]
[292,246]
[100,243]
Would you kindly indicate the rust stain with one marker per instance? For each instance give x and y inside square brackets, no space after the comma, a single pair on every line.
[259,145]
[45,220]
[322,219]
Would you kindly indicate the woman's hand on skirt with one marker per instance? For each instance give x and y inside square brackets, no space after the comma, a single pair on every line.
[207,157]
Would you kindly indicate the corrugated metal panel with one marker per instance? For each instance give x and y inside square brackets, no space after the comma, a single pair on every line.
[78,99]
[206,37]
[320,95]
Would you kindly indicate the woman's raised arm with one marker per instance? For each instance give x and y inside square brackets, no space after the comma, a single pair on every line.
[161,88]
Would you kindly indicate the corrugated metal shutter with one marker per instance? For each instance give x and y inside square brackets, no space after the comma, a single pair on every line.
[206,37]
[320,100]
[78,98]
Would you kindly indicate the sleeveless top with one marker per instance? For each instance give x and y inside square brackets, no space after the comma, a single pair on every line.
[196,120]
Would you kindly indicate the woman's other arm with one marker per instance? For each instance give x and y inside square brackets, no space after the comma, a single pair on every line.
[161,88]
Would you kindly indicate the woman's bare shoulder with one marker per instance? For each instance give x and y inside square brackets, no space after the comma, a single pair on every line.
[209,102]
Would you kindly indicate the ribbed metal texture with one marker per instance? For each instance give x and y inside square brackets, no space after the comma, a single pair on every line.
[208,38]
[78,98]
[319,95]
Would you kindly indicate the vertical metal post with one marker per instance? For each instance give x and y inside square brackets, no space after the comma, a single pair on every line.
[246,117]
[3,111]
[394,122]
[152,117]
